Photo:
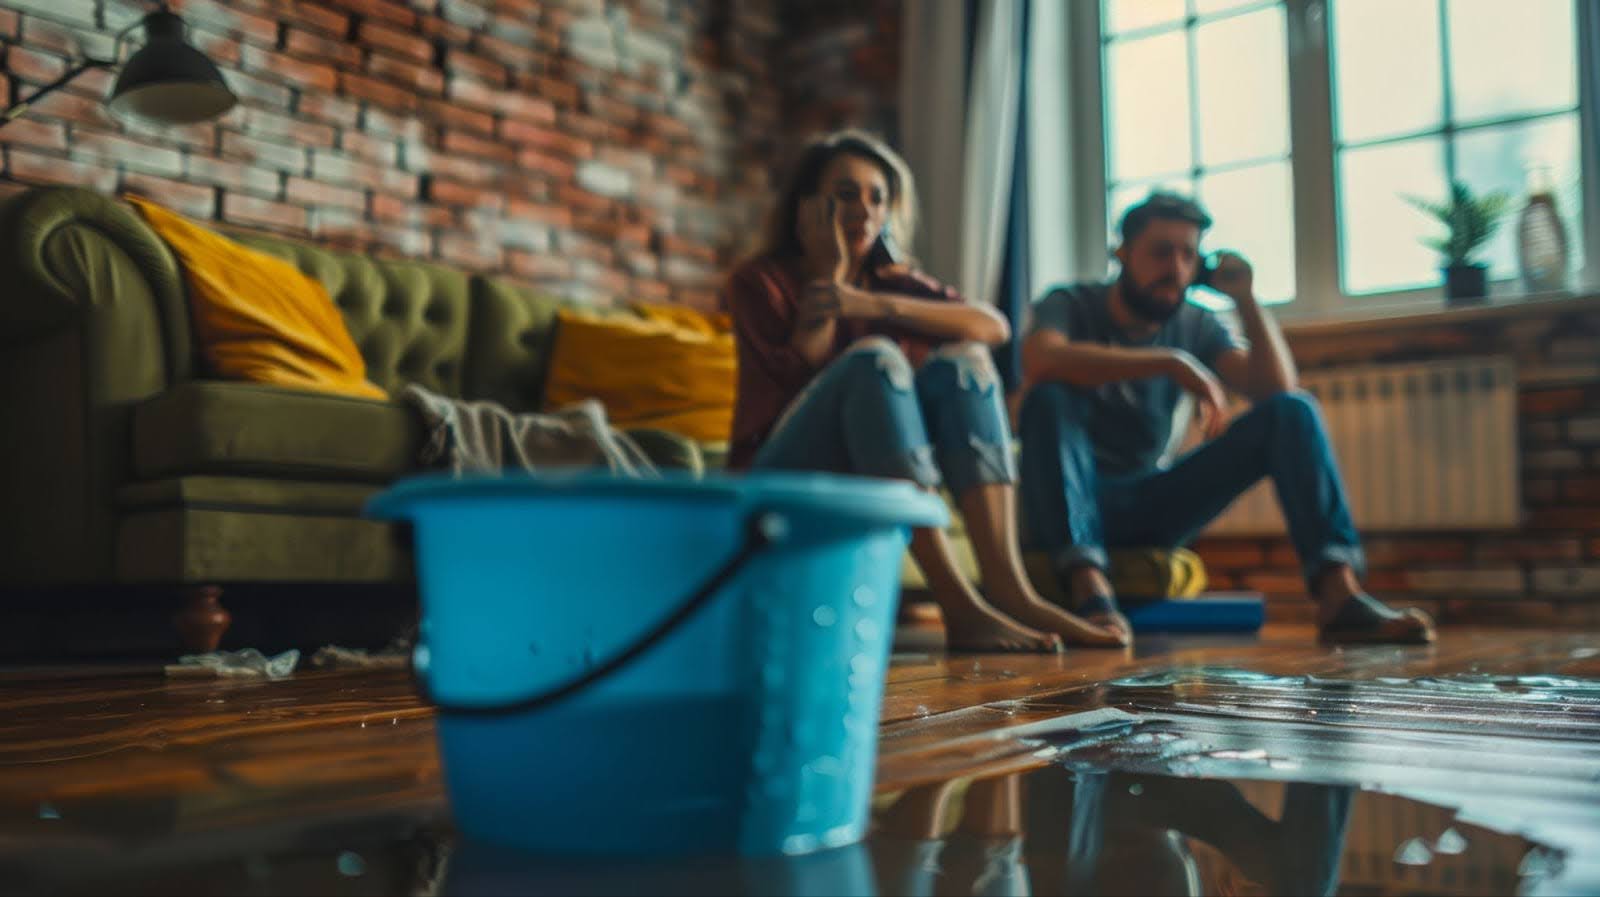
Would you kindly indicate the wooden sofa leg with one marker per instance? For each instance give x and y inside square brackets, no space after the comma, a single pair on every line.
[203,619]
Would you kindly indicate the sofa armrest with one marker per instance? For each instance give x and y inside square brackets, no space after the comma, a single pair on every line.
[669,451]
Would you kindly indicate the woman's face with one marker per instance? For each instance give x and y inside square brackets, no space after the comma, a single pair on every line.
[861,193]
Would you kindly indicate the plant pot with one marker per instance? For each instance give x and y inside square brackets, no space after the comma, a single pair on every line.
[1466,284]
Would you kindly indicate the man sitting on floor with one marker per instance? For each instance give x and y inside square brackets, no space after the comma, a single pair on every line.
[1108,364]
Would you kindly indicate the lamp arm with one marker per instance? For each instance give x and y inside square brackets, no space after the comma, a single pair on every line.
[21,108]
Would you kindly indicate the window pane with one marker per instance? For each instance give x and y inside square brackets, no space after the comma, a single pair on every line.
[1511,57]
[1499,158]
[1130,15]
[1379,230]
[1148,106]
[1244,94]
[1253,211]
[1387,69]
[1212,7]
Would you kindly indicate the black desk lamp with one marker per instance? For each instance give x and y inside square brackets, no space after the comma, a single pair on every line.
[166,81]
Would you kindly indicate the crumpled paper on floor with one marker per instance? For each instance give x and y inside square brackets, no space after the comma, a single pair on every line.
[247,663]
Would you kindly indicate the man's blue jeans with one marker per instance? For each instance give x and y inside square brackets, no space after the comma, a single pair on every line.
[869,413]
[1075,514]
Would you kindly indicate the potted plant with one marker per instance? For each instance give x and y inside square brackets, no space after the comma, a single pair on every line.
[1469,222]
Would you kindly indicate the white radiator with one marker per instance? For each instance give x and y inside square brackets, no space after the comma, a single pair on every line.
[1425,446]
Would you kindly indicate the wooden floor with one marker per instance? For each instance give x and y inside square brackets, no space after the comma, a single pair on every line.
[142,784]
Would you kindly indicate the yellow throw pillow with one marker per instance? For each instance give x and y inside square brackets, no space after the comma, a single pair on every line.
[257,317]
[665,366]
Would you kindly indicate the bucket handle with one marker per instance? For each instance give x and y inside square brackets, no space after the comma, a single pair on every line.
[761,529]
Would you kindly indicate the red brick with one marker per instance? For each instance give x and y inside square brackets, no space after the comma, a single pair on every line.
[1281,555]
[260,123]
[465,171]
[316,46]
[556,168]
[249,210]
[312,193]
[111,148]
[417,78]
[340,229]
[194,200]
[452,193]
[8,22]
[554,90]
[276,66]
[1551,401]
[469,252]
[554,215]
[458,61]
[452,33]
[1594,547]
[263,153]
[615,232]
[325,20]
[1275,583]
[1500,549]
[527,108]
[374,149]
[412,46]
[34,168]
[228,19]
[667,126]
[457,142]
[383,10]
[539,265]
[649,291]
[331,109]
[706,301]
[234,176]
[545,138]
[38,68]
[590,128]
[668,244]
[381,92]
[1563,518]
[1403,552]
[45,135]
[219,48]
[457,116]
[66,105]
[389,209]
[506,52]
[1578,490]
[607,109]
[1540,491]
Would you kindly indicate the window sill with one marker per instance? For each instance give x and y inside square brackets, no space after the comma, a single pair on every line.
[1415,316]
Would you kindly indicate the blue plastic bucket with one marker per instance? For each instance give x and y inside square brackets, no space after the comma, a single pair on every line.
[747,725]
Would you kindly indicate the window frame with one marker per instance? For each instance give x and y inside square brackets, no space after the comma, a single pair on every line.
[1313,154]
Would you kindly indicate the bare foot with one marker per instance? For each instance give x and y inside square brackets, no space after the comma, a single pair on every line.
[977,628]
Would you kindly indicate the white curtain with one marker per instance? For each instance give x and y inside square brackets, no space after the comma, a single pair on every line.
[1066,183]
[958,133]
[1589,98]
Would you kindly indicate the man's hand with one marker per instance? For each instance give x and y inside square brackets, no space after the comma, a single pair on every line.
[821,239]
[1234,277]
[1209,396]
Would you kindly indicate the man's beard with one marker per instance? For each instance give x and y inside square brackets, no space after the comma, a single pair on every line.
[1144,304]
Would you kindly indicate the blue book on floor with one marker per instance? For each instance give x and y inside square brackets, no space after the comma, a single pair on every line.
[1211,612]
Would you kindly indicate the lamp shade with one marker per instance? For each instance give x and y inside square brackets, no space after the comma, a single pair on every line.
[167,81]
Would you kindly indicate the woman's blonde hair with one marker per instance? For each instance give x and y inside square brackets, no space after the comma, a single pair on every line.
[805,179]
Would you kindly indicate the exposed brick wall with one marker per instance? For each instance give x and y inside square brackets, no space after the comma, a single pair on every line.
[841,66]
[606,149]
[1554,557]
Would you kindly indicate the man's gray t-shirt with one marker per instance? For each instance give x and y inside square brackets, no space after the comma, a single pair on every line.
[1132,427]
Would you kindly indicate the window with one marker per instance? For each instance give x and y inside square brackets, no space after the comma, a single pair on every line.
[1383,99]
[1186,110]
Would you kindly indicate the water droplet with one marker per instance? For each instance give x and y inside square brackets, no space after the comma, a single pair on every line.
[1450,843]
[922,711]
[866,630]
[862,664]
[795,844]
[864,596]
[824,616]
[1252,754]
[1136,789]
[841,835]
[49,811]
[351,865]
[1539,863]
[1414,852]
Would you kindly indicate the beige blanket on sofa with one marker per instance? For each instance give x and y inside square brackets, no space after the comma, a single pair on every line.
[484,437]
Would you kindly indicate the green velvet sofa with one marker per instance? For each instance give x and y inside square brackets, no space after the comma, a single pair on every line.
[123,463]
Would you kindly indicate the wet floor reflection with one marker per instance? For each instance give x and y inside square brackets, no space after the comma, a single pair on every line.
[1179,781]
